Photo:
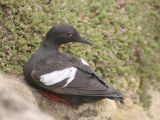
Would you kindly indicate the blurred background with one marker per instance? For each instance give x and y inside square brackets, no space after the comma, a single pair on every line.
[125,34]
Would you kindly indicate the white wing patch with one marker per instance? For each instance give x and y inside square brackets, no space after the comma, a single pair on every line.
[84,62]
[58,76]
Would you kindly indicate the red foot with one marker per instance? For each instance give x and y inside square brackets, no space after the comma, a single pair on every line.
[56,98]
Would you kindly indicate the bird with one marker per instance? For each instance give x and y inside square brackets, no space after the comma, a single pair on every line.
[62,76]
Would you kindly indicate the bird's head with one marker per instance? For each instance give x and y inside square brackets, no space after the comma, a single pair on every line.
[64,33]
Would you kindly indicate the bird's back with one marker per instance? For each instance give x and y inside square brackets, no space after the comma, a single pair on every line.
[39,55]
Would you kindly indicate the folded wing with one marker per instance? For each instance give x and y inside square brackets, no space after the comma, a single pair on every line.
[72,78]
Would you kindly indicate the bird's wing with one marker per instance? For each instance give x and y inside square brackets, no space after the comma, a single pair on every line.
[67,77]
[81,64]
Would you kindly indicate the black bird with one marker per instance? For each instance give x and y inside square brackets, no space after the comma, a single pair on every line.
[62,76]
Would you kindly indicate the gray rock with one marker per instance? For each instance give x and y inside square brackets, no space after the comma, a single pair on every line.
[20,101]
[17,101]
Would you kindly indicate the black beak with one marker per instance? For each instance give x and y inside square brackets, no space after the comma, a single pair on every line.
[83,40]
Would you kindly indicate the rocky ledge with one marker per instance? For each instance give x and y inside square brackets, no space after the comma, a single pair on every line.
[18,101]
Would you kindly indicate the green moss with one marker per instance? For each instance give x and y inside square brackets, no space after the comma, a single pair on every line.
[126,40]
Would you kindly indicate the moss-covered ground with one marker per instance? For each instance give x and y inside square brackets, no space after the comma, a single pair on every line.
[125,34]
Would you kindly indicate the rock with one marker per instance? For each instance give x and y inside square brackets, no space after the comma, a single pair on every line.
[17,86]
[17,102]
[154,110]
[102,110]
[131,111]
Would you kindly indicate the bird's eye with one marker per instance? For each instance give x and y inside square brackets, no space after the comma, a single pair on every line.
[69,34]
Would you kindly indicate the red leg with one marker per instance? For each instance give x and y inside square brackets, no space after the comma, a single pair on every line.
[56,98]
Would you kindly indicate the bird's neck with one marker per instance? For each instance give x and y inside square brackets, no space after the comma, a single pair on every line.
[49,45]
[44,52]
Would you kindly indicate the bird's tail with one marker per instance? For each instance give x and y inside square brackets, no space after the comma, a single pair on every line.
[114,94]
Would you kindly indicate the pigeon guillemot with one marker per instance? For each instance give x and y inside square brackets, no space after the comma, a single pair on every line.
[62,76]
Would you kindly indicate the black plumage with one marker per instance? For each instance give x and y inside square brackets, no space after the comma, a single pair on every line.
[86,85]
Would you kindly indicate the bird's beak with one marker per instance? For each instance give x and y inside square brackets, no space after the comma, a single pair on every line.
[83,40]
